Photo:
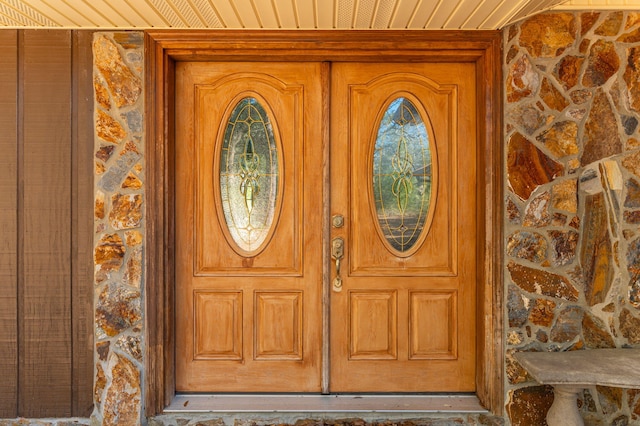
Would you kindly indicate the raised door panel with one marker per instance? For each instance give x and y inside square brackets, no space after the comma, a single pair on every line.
[249,227]
[373,324]
[435,251]
[269,239]
[217,325]
[278,325]
[433,325]
[403,174]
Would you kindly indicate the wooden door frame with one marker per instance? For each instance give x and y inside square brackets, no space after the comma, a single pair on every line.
[166,47]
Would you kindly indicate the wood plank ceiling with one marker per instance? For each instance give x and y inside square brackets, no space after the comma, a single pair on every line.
[281,14]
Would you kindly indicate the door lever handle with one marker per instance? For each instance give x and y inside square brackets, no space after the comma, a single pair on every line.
[337,253]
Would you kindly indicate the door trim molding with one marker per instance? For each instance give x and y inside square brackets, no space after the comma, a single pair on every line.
[164,48]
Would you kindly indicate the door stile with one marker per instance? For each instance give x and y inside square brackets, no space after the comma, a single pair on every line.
[325,75]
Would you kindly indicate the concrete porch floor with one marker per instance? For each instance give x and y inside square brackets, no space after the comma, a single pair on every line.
[326,410]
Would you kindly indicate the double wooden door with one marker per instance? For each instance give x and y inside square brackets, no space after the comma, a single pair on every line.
[325,227]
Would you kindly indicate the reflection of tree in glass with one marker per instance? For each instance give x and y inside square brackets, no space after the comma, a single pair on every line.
[402,174]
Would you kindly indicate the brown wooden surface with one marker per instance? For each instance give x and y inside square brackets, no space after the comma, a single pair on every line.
[167,47]
[410,318]
[326,226]
[269,299]
[159,300]
[441,275]
[490,361]
[45,267]
[82,317]
[8,224]
[303,45]
[46,203]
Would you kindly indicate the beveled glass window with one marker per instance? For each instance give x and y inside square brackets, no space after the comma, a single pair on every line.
[402,176]
[249,174]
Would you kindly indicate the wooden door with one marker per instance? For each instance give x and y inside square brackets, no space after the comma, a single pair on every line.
[403,311]
[403,176]
[249,191]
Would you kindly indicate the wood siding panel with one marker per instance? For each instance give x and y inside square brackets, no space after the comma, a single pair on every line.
[45,361]
[8,224]
[46,220]
[82,225]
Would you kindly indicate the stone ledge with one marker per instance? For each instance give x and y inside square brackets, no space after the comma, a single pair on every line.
[604,367]
[570,372]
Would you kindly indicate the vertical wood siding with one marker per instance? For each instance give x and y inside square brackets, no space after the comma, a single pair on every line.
[8,223]
[44,226]
[46,277]
[82,225]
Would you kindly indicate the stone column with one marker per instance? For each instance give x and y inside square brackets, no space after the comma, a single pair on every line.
[119,227]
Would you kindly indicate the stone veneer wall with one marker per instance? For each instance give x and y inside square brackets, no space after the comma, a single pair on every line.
[119,227]
[572,203]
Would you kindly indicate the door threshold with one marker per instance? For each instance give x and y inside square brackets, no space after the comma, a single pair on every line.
[314,403]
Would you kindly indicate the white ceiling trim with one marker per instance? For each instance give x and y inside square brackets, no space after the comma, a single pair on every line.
[268,14]
[284,14]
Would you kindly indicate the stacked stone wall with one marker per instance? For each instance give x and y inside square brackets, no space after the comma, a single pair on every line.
[572,200]
[119,227]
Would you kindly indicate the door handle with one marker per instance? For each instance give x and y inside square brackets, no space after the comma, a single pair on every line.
[337,253]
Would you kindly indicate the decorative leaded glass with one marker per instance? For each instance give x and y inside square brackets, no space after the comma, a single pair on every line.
[249,173]
[402,176]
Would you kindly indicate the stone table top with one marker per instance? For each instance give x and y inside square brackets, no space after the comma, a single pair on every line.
[606,367]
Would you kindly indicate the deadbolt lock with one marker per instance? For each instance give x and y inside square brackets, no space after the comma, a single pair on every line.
[337,221]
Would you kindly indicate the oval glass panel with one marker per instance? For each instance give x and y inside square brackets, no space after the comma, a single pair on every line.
[249,174]
[402,176]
